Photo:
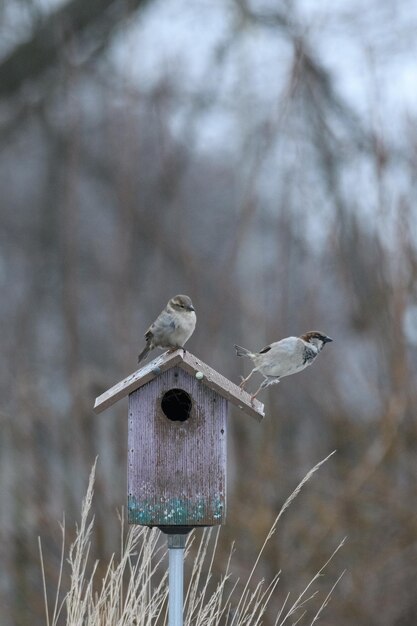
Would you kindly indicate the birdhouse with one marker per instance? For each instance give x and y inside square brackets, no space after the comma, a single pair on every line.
[177,454]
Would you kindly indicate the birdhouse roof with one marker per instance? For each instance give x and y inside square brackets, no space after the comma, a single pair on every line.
[193,366]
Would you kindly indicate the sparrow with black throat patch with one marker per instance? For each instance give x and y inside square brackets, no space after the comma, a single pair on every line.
[283,358]
[172,328]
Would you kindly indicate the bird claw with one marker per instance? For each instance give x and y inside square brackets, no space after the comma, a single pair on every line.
[175,348]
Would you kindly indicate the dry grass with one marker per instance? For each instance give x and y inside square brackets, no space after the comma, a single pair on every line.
[134,588]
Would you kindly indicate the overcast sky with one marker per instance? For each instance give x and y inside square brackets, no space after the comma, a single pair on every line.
[369,51]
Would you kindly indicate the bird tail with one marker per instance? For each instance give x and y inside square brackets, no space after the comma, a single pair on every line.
[144,352]
[242,351]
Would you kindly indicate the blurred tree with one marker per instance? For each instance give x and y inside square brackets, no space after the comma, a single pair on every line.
[84,26]
[282,200]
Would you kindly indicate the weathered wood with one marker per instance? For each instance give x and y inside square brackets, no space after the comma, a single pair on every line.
[223,386]
[176,469]
[137,379]
[193,366]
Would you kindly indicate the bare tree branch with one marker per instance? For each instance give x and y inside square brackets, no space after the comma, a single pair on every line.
[75,20]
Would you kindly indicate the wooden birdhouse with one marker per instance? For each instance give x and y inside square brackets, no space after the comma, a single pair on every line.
[178,409]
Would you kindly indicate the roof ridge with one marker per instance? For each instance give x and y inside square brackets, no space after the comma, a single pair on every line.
[192,365]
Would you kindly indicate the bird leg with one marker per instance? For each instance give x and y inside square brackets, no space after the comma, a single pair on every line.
[245,380]
[269,380]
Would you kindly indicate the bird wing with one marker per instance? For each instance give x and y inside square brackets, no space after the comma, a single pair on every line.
[284,347]
[163,322]
[280,359]
[265,350]
[289,344]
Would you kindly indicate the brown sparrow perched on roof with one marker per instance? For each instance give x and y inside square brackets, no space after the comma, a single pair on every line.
[172,328]
[282,358]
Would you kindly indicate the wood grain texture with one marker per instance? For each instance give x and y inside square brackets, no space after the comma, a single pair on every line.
[223,386]
[176,470]
[194,366]
[137,379]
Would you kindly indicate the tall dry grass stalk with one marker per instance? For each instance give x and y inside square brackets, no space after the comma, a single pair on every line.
[134,590]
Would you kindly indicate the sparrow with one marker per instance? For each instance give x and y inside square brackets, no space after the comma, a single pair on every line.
[172,328]
[283,358]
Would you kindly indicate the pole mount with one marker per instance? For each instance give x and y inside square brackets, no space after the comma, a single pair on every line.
[176,530]
[176,541]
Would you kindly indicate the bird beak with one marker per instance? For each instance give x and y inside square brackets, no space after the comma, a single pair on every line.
[191,308]
[327,339]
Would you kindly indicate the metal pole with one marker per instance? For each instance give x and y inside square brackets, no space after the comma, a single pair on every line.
[176,545]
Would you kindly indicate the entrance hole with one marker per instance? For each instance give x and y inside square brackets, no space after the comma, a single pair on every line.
[176,405]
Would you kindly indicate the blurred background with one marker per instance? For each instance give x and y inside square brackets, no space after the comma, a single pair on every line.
[261,157]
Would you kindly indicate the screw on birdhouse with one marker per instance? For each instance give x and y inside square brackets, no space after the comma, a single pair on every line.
[156,370]
[199,375]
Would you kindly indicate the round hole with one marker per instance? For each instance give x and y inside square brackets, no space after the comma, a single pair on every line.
[176,405]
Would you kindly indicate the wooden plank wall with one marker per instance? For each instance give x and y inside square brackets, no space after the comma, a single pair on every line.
[176,470]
